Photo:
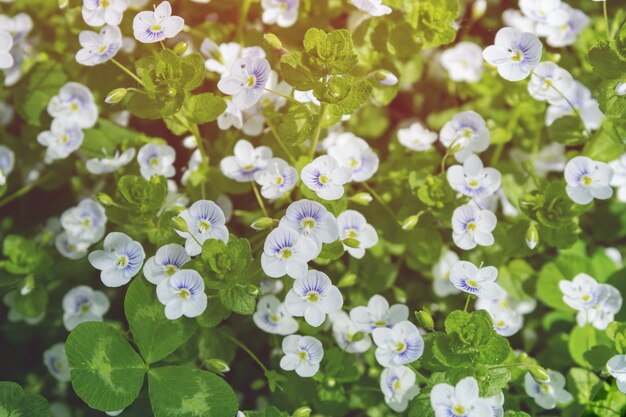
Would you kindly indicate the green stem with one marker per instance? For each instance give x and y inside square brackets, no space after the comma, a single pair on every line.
[246,349]
[127,71]
[194,32]
[22,191]
[379,199]
[318,129]
[443,161]
[469,297]
[288,98]
[259,199]
[419,375]
[292,159]
[606,21]
[243,17]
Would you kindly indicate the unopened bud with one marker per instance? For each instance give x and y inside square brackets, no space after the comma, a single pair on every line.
[302,412]
[385,77]
[539,374]
[264,223]
[362,198]
[63,4]
[532,237]
[217,365]
[273,41]
[425,319]
[104,199]
[331,382]
[252,290]
[410,222]
[478,9]
[29,285]
[352,243]
[115,96]
[181,48]
[620,89]
[455,147]
[180,224]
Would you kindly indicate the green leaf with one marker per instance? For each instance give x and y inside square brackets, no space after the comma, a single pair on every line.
[606,62]
[227,261]
[204,108]
[582,383]
[34,303]
[548,290]
[146,196]
[214,314]
[155,335]
[581,340]
[106,372]
[15,403]
[329,53]
[238,299]
[106,138]
[33,94]
[176,391]
[567,130]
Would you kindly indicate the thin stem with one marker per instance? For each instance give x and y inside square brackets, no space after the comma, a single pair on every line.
[469,297]
[606,21]
[281,143]
[379,199]
[286,97]
[246,349]
[243,17]
[443,161]
[259,199]
[22,191]
[194,32]
[127,71]
[316,134]
[419,375]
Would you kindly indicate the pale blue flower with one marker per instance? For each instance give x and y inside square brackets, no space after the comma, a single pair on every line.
[205,220]
[120,260]
[168,260]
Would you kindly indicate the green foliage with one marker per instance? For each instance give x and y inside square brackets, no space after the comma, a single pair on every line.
[14,402]
[34,92]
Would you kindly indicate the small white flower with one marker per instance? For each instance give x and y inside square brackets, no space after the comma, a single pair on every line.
[7,162]
[442,286]
[547,394]
[311,219]
[400,345]
[156,159]
[283,13]
[326,177]
[464,62]
[14,316]
[386,78]
[353,225]
[472,226]
[547,80]
[232,117]
[478,281]
[221,58]
[467,133]
[515,53]
[302,354]
[85,222]
[313,297]
[71,250]
[246,81]
[271,286]
[588,179]
[271,316]
[195,161]
[517,20]
[120,260]
[378,314]
[99,166]
[276,179]
[596,303]
[182,294]
[344,331]
[604,312]
[18,26]
[150,27]
[98,47]
[82,304]
[100,12]
[417,138]
[497,404]
[617,368]
[506,321]
[205,220]
[56,362]
[461,400]
[398,386]
[6,113]
[356,155]
[564,34]
[305,97]
[544,11]
[618,180]
[580,97]
[168,260]
[74,103]
[372,7]
[473,180]
[620,89]
[63,138]
[6,44]
[247,160]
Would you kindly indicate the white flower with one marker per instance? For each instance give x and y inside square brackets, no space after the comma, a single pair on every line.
[18,26]
[618,180]
[10,300]
[325,177]
[100,12]
[580,97]
[473,180]
[417,138]
[378,314]
[515,53]
[400,345]
[353,225]
[398,386]
[617,368]
[6,113]
[85,222]
[195,161]
[247,160]
[284,13]
[461,400]
[442,286]
[106,165]
[6,44]
[168,260]
[345,330]
[63,138]
[478,281]
[221,58]
[205,220]
[355,154]
[182,294]
[620,89]
[604,313]
[313,297]
[544,11]
[506,322]
[551,158]
[547,394]
[302,354]
[71,250]
[82,304]
[232,117]
[56,362]
[587,179]
[150,27]
[464,62]
[98,47]
[311,219]
[386,78]
[271,316]
[276,178]
[7,162]
[372,7]
[547,80]
[120,260]
[564,34]
[497,404]
[467,133]
[517,20]
[472,226]
[271,286]
[596,303]
[246,81]
[305,97]
[74,103]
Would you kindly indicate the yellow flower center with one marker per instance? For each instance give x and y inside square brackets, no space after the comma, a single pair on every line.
[467,133]
[308,224]
[471,226]
[302,355]
[545,388]
[283,6]
[251,81]
[279,180]
[586,180]
[516,56]
[155,28]
[248,167]
[472,283]
[102,49]
[586,298]
[473,183]
[380,323]
[154,161]
[86,222]
[121,262]
[85,308]
[105,3]
[74,106]
[397,385]
[458,410]
[352,234]
[204,226]
[400,347]
[286,253]
[500,324]
[324,179]
[170,270]
[64,139]
[184,294]
[274,319]
[312,296]
[354,163]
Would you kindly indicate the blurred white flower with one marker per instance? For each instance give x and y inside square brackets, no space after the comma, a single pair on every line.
[156,26]
[464,62]
[588,179]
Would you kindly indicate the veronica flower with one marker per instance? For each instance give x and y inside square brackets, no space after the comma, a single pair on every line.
[506,322]
[10,300]
[205,220]
[246,81]
[99,166]
[378,314]
[222,57]
[56,362]
[467,133]
[247,160]
[326,177]
[588,179]
[442,286]
[231,117]
[120,260]
[462,400]
[156,159]
[473,180]
[596,303]
[6,44]
[150,27]
[417,138]
[272,317]
[353,225]
[100,12]
[302,354]
[76,249]
[311,219]
[466,277]
[601,315]
[619,175]
[544,11]
[168,260]
[355,154]
[548,394]
[74,103]
[63,138]
[386,78]
[271,286]
[305,97]
[284,13]
[464,62]
[400,345]
[372,7]
[182,294]
[517,20]
[617,368]
[515,53]
[276,179]
[564,34]
[6,113]
[547,80]
[7,161]
[85,222]
[18,26]
[82,304]
[344,331]
[398,386]
[98,47]
[313,297]
[472,226]
[580,97]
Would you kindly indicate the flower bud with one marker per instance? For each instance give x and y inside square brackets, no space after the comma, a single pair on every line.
[272,41]
[217,365]
[352,243]
[410,222]
[532,236]
[181,48]
[264,223]
[425,319]
[104,199]
[63,4]
[302,412]
[115,96]
[620,89]
[171,92]
[180,224]
[540,374]
[331,382]
[362,198]
[455,147]
[252,290]
[478,9]
[385,77]
[29,285]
